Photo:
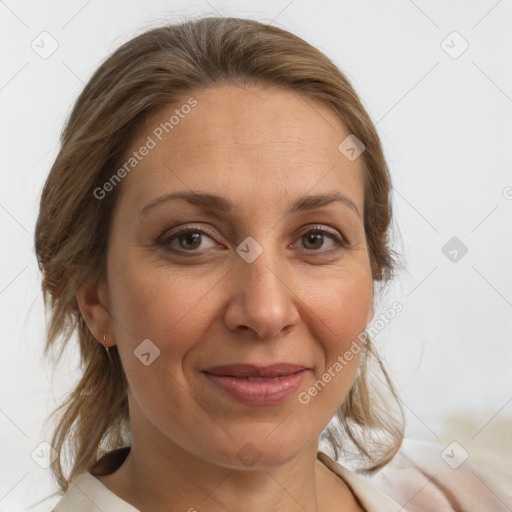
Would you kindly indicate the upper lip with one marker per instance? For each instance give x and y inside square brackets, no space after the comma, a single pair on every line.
[252,370]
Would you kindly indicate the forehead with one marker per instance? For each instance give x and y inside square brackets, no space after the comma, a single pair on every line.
[239,137]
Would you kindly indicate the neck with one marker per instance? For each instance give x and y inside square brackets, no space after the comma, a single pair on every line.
[173,480]
[158,474]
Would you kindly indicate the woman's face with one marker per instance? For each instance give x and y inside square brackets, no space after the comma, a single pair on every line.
[230,302]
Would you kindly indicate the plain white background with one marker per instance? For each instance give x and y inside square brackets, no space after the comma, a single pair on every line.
[445,123]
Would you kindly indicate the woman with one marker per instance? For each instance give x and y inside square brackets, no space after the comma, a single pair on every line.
[213,229]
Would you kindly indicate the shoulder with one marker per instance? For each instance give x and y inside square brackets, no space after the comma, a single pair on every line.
[371,497]
[429,477]
[87,494]
[425,477]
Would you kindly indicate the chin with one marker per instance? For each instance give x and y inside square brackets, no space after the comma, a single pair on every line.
[261,451]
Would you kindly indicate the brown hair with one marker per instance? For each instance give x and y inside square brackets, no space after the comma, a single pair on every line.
[152,71]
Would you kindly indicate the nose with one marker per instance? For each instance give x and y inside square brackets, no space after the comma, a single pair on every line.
[262,301]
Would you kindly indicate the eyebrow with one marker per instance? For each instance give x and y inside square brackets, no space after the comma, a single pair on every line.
[214,202]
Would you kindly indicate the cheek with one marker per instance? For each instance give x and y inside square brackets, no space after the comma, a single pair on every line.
[341,307]
[173,311]
[153,302]
[338,310]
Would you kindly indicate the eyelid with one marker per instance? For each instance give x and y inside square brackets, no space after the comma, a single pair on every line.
[171,234]
[324,228]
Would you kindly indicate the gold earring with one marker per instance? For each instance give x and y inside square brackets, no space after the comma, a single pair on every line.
[104,339]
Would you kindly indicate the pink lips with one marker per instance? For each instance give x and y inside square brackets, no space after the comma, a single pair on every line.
[257,385]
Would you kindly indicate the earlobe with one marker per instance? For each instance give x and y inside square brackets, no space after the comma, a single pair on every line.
[92,301]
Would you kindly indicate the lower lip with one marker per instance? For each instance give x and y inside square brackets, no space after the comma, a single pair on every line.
[258,392]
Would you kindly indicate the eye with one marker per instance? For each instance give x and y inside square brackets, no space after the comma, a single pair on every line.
[321,238]
[187,240]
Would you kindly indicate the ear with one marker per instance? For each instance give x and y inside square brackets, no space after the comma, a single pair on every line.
[92,300]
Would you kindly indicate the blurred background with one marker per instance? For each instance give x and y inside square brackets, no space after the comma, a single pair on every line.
[436,79]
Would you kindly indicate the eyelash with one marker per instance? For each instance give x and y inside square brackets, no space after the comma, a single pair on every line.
[164,241]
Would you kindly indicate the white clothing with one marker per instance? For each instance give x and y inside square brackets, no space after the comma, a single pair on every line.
[405,485]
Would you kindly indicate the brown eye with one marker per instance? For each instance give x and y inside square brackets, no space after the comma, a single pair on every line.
[187,242]
[190,241]
[322,239]
[313,240]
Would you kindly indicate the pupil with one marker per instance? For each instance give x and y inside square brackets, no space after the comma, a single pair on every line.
[314,237]
[191,238]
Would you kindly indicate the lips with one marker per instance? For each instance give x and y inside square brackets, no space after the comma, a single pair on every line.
[257,385]
[274,371]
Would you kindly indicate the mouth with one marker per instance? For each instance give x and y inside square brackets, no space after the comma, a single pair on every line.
[273,371]
[257,385]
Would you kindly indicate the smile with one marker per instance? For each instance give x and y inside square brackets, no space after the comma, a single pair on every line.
[257,385]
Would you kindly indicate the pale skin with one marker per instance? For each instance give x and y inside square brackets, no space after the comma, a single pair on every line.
[303,300]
